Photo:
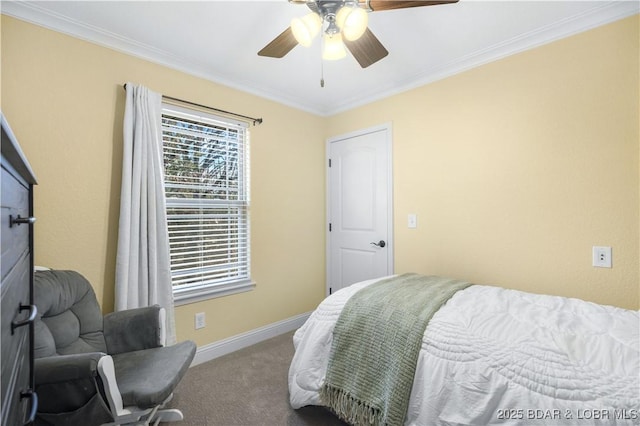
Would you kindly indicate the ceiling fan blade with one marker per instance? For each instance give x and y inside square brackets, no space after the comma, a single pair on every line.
[280,45]
[377,5]
[367,49]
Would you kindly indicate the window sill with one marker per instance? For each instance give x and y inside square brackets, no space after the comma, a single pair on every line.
[186,297]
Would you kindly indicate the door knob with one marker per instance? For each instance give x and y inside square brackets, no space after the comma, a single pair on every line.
[380,243]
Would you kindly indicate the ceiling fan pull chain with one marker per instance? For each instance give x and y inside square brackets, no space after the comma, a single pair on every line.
[321,65]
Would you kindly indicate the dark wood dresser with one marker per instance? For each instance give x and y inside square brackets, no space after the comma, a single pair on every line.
[19,401]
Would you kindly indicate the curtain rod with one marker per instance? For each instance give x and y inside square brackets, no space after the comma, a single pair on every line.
[255,121]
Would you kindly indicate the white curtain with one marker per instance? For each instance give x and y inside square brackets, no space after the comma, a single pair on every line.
[143,275]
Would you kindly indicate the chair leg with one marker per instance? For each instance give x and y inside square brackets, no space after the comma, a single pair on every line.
[138,418]
[168,415]
[152,416]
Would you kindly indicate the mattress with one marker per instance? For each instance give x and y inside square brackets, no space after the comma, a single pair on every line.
[498,356]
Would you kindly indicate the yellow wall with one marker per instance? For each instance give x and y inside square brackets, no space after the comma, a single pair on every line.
[64,99]
[517,168]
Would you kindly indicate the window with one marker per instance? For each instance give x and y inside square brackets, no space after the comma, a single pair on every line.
[207,190]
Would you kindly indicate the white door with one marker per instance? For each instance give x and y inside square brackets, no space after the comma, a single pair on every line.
[360,245]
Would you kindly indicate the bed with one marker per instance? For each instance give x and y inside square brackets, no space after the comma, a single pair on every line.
[490,355]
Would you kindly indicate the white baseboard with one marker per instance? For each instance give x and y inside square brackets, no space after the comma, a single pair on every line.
[235,343]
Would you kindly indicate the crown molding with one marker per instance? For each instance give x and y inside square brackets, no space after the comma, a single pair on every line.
[601,14]
[34,14]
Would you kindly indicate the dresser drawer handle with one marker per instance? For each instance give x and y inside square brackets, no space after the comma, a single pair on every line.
[33,311]
[33,396]
[20,220]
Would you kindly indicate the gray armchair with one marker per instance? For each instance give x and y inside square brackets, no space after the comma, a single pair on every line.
[92,370]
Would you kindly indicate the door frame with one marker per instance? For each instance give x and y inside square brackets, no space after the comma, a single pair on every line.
[390,240]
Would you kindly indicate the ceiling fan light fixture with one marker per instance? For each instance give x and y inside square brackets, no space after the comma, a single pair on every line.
[305,29]
[333,47]
[353,21]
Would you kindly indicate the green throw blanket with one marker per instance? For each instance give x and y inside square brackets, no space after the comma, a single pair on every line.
[376,342]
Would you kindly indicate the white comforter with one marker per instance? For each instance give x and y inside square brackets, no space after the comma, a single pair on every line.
[497,356]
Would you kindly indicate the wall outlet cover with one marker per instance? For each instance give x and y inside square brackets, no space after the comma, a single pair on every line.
[199,320]
[602,256]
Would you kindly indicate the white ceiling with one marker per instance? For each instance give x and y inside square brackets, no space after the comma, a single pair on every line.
[219,40]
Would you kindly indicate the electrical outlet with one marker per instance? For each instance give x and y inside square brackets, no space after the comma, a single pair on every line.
[200,322]
[602,257]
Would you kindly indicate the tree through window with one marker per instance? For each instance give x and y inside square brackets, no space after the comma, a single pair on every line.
[206,185]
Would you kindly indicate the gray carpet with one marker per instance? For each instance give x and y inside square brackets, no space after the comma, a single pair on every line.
[248,387]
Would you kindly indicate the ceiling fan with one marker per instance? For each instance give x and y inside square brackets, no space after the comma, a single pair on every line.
[345,24]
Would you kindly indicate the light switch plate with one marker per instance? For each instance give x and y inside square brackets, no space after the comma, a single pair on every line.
[412,221]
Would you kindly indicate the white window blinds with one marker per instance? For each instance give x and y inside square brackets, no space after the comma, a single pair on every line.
[207,189]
